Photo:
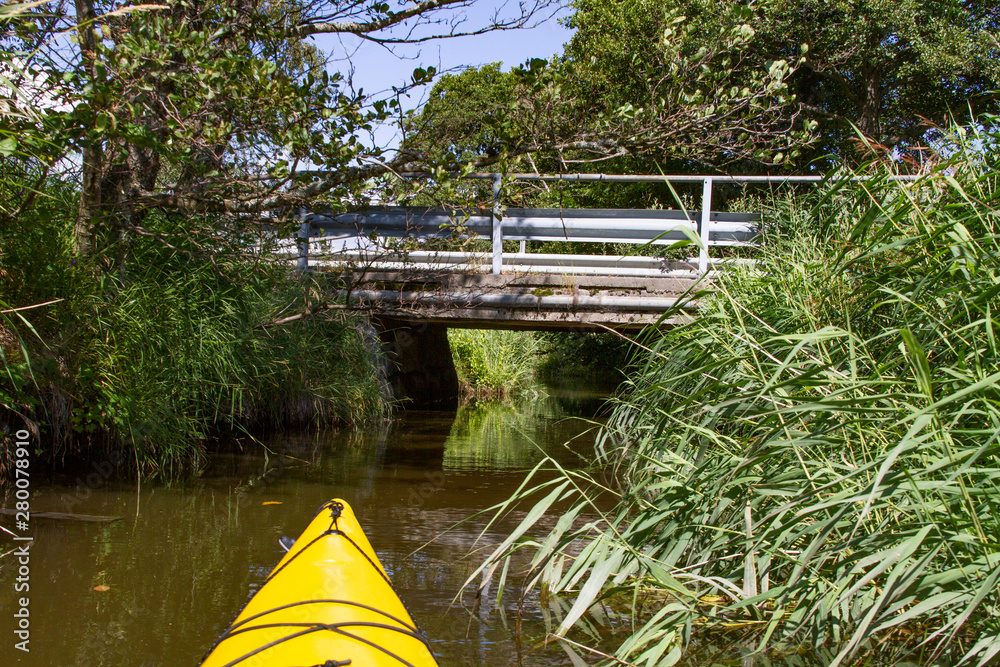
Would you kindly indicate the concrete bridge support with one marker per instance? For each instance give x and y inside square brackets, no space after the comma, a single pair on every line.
[421,373]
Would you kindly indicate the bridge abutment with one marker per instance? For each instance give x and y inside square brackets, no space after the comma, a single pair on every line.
[421,372]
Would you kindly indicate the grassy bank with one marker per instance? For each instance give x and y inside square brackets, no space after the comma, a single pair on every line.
[812,467]
[156,345]
[494,363]
[500,364]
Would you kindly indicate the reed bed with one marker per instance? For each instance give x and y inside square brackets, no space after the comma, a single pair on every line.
[493,363]
[813,465]
[170,353]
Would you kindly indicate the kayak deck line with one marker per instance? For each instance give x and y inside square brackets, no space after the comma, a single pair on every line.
[289,621]
[232,629]
[336,508]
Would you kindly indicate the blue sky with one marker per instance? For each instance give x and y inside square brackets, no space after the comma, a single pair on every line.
[376,69]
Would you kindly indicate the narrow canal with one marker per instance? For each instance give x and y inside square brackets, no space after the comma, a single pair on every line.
[158,586]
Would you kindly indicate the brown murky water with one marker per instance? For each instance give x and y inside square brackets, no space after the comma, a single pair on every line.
[185,557]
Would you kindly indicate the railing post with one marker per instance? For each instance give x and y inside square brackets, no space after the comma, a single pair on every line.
[302,241]
[706,220]
[497,229]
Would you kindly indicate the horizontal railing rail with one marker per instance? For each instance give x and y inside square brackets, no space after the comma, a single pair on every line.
[518,262]
[572,225]
[629,226]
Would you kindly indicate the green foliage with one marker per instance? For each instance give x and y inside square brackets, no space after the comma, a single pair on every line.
[883,67]
[655,59]
[166,351]
[186,356]
[463,114]
[147,165]
[814,461]
[634,88]
[602,358]
[192,109]
[886,67]
[645,85]
[497,361]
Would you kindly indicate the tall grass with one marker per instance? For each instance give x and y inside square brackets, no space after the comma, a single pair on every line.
[814,463]
[168,350]
[503,363]
[493,362]
[186,356]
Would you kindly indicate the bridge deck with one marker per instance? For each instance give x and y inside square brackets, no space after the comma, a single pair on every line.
[516,301]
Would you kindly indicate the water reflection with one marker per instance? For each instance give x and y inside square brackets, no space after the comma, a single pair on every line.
[498,436]
[186,556]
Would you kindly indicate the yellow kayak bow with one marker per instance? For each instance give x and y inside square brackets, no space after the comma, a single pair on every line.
[327,603]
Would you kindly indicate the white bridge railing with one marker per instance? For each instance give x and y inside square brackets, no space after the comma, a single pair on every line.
[706,227]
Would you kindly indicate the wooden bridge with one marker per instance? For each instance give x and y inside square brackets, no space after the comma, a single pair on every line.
[394,264]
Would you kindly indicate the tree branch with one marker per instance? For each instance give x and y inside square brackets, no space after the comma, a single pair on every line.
[365,29]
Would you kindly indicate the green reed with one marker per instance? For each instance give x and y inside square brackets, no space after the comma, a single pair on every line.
[495,361]
[813,464]
[167,349]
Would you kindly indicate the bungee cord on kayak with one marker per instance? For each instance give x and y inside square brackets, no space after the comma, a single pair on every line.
[283,621]
[335,507]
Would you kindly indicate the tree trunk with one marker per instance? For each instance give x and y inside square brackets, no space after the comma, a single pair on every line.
[870,104]
[91,168]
